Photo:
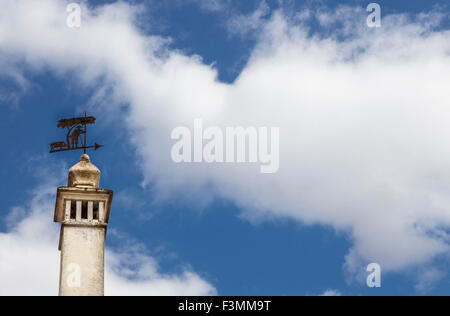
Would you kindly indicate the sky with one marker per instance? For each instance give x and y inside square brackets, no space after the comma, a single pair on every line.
[363,116]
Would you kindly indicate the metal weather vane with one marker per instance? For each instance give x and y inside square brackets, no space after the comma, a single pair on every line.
[76,131]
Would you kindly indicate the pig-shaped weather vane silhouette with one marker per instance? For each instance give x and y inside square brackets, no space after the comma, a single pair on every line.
[76,132]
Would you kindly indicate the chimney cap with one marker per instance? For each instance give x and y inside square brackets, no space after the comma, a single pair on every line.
[84,174]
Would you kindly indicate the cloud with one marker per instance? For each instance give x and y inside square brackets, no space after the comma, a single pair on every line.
[11,93]
[428,279]
[363,116]
[30,260]
[212,5]
[331,293]
[244,24]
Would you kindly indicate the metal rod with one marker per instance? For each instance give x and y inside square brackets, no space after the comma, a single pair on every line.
[84,147]
[85,132]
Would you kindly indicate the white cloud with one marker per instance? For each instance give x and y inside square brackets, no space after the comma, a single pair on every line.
[428,278]
[29,260]
[331,293]
[213,5]
[244,24]
[364,120]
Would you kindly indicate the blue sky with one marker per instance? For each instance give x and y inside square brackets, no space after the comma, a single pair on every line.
[277,255]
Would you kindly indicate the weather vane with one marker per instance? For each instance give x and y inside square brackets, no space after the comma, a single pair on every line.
[76,131]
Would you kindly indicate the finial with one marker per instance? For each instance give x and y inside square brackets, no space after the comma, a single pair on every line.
[85,158]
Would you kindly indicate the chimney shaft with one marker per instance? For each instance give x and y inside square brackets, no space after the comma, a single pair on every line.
[83,210]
